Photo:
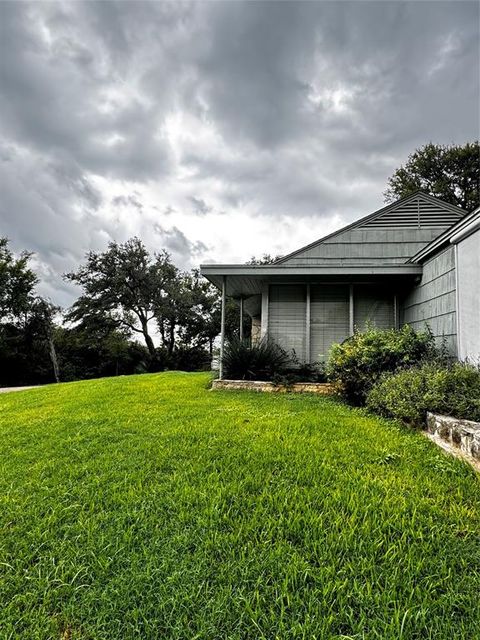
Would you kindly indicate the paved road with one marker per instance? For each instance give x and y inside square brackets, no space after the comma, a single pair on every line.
[8,389]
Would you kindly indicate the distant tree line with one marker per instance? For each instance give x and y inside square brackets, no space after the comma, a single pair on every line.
[136,313]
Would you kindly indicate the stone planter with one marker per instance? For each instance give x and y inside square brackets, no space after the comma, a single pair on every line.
[322,388]
[463,435]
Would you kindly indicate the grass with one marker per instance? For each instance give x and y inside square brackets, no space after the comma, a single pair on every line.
[148,507]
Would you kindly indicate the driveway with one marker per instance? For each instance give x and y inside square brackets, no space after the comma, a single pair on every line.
[8,389]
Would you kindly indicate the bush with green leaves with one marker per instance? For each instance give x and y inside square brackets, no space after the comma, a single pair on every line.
[261,361]
[407,395]
[304,373]
[299,371]
[358,362]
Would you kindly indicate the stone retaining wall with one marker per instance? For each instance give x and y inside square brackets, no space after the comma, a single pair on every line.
[323,388]
[460,434]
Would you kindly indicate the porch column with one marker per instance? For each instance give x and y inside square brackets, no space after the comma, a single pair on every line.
[241,320]
[351,311]
[222,326]
[307,326]
[264,325]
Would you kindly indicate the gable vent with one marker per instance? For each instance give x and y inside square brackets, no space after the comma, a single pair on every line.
[417,213]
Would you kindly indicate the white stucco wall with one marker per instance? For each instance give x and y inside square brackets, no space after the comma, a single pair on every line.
[468,292]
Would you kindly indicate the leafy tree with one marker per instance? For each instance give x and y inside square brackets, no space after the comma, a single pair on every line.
[448,172]
[201,323]
[26,323]
[189,317]
[125,283]
[28,351]
[17,283]
[177,308]
[96,347]
[265,259]
[40,326]
[204,323]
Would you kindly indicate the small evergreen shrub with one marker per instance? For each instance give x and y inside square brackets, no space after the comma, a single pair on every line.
[452,390]
[358,362]
[262,361]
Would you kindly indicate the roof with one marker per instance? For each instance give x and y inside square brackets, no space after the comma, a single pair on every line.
[413,222]
[462,229]
[398,214]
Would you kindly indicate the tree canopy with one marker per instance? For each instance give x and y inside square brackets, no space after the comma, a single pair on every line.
[17,283]
[448,172]
[137,291]
[266,258]
[126,283]
[27,347]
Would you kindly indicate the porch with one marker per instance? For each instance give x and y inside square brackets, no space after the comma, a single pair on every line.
[305,310]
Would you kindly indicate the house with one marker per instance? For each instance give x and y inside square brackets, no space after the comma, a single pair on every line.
[415,261]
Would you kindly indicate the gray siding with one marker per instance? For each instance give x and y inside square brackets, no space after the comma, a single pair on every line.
[310,330]
[373,306]
[468,256]
[329,318]
[287,317]
[368,246]
[390,236]
[433,301]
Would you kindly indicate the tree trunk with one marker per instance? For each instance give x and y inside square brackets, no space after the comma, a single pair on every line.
[54,359]
[161,326]
[148,339]
[171,338]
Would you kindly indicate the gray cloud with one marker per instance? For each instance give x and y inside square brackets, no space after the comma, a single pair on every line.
[67,98]
[132,200]
[177,243]
[152,119]
[267,61]
[200,206]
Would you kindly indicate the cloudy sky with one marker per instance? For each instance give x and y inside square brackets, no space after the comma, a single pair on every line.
[218,130]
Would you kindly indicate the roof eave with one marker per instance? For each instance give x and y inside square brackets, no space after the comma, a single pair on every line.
[277,270]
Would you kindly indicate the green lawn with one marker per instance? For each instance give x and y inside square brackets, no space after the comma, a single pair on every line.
[149,507]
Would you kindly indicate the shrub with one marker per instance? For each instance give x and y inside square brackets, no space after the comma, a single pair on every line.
[261,361]
[299,371]
[292,376]
[401,395]
[407,395]
[357,363]
[190,358]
